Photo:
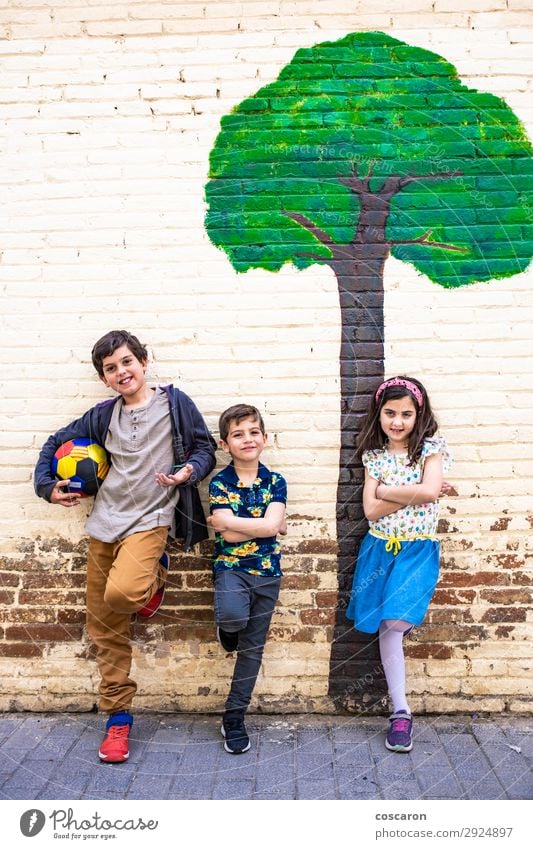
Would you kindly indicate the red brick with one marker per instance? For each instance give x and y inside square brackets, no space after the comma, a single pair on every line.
[449,616]
[501,524]
[436,650]
[300,582]
[508,561]
[507,596]
[318,617]
[326,600]
[50,597]
[71,616]
[472,579]
[42,632]
[200,581]
[27,614]
[450,633]
[203,633]
[57,580]
[189,564]
[21,650]
[521,578]
[7,597]
[454,596]
[8,579]
[187,598]
[504,614]
[312,546]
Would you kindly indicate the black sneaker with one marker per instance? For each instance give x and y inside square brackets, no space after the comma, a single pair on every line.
[229,640]
[234,730]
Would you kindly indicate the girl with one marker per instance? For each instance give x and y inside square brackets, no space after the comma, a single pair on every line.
[398,563]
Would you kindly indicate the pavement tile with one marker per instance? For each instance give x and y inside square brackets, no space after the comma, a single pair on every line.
[318,741]
[275,795]
[8,725]
[407,789]
[70,785]
[239,767]
[314,767]
[359,787]
[192,787]
[316,790]
[233,790]
[111,777]
[358,754]
[149,787]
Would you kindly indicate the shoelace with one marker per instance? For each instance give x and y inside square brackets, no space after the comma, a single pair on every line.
[118,730]
[400,725]
[234,724]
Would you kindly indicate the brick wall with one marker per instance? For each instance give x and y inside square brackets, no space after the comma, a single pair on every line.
[109,111]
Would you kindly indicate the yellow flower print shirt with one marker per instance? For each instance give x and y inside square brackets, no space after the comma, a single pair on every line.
[260,556]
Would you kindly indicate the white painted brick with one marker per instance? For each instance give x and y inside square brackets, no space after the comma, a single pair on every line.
[473,5]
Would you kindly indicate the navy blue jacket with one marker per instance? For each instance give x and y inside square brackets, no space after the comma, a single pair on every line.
[191,440]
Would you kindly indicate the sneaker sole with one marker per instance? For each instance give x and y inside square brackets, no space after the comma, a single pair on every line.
[106,760]
[232,751]
[397,748]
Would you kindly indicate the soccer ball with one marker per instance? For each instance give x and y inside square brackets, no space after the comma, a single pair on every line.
[82,461]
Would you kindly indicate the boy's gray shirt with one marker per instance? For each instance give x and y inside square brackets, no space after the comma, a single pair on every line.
[130,500]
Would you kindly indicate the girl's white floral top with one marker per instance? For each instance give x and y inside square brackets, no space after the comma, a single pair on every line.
[395,470]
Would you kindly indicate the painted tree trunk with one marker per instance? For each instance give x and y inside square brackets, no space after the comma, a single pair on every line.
[356,680]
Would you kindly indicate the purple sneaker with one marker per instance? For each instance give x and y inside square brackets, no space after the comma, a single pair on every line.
[399,737]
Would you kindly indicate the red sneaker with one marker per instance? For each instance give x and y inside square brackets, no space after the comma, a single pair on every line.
[152,606]
[115,746]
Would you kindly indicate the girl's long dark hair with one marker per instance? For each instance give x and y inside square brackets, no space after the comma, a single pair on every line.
[372,437]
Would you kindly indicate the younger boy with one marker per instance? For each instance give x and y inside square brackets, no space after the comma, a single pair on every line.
[247,503]
[159,449]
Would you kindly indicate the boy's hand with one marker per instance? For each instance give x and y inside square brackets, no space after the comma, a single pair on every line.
[180,476]
[60,495]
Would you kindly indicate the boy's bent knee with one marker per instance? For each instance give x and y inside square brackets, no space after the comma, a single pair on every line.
[230,623]
[116,598]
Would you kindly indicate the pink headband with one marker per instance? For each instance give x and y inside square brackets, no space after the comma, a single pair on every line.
[399,381]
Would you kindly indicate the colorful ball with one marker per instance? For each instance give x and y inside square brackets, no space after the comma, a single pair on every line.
[82,461]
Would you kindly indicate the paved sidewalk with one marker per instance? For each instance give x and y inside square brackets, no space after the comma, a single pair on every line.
[180,756]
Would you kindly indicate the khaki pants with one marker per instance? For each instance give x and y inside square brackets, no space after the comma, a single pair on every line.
[121,578]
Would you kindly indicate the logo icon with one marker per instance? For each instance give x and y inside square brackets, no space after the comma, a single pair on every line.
[32,822]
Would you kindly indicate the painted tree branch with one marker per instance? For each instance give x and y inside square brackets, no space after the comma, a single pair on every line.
[424,240]
[441,175]
[311,227]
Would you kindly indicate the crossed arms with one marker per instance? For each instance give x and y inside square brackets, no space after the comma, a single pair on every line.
[381,500]
[234,529]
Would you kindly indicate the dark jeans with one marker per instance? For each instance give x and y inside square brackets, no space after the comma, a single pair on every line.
[245,603]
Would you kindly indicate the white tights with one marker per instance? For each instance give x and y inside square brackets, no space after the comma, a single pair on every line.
[391,633]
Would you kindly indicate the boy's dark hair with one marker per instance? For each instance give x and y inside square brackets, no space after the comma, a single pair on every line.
[371,436]
[236,414]
[109,343]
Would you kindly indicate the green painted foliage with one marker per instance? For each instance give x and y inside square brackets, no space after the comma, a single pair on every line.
[371,102]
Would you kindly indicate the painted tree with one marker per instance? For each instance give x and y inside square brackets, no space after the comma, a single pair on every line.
[364,148]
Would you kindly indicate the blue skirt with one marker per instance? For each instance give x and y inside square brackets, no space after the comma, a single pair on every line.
[388,586]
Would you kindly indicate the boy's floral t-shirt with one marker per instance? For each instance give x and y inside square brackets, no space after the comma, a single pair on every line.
[395,470]
[261,556]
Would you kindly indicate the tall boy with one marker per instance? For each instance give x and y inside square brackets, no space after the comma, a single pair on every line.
[247,503]
[159,449]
